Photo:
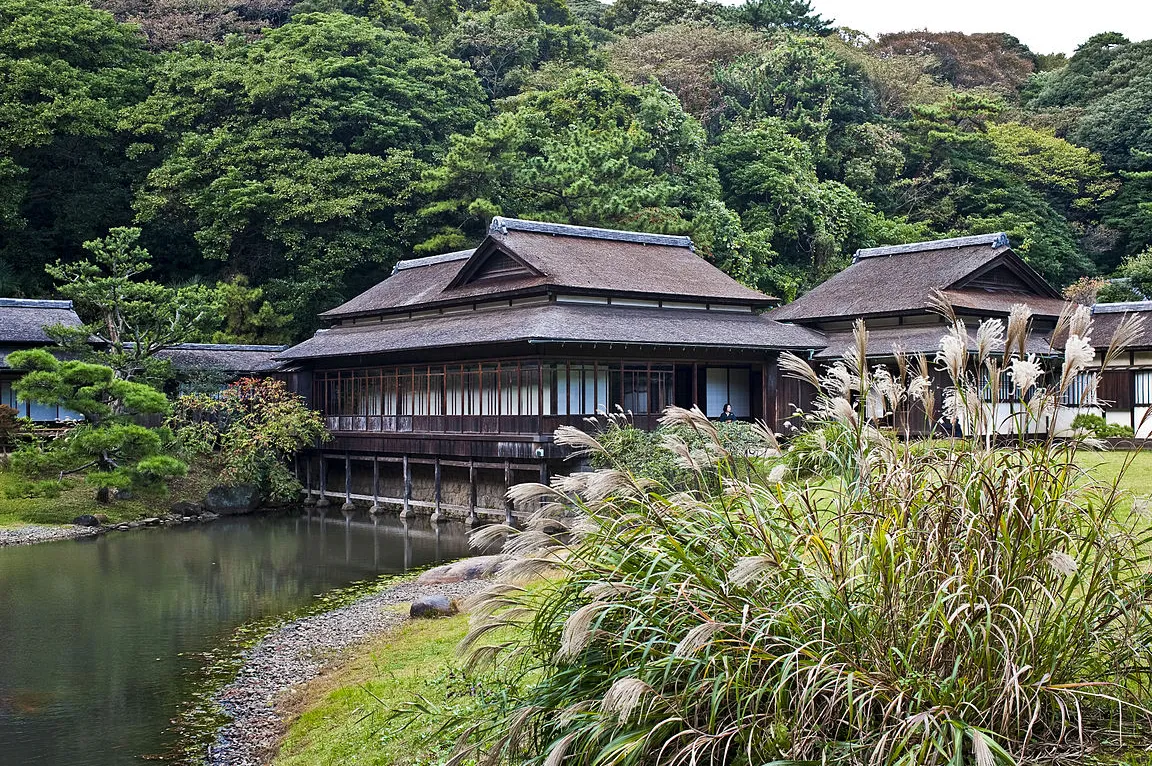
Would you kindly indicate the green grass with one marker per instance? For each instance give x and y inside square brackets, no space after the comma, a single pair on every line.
[1106,465]
[79,498]
[344,715]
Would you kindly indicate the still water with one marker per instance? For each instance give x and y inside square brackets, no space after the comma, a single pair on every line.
[99,637]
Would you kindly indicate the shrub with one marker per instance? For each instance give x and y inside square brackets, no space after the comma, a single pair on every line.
[23,488]
[258,426]
[1100,427]
[646,453]
[961,604]
[10,425]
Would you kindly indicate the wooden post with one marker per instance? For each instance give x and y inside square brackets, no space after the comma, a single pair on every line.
[407,513]
[543,479]
[509,517]
[347,483]
[473,519]
[375,487]
[438,516]
[323,501]
[308,499]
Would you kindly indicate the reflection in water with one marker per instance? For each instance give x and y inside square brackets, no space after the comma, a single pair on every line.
[98,636]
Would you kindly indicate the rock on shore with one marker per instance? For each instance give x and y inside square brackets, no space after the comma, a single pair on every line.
[296,653]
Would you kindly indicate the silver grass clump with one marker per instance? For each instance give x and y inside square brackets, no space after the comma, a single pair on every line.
[955,601]
[625,697]
[577,632]
[697,638]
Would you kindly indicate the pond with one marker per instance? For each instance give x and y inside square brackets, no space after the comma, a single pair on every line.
[100,638]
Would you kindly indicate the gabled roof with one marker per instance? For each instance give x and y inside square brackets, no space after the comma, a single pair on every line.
[560,323]
[981,273]
[531,257]
[22,321]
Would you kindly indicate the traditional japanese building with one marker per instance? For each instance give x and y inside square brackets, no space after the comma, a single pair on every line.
[444,383]
[1125,391]
[23,325]
[892,289]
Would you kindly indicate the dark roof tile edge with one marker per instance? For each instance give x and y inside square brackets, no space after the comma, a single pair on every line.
[227,347]
[1121,308]
[996,240]
[431,260]
[502,225]
[33,303]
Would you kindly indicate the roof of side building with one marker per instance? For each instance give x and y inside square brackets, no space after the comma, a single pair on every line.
[542,256]
[902,279]
[23,321]
[222,357]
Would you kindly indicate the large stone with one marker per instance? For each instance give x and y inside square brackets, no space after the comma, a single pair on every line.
[185,508]
[227,501]
[87,520]
[475,568]
[433,606]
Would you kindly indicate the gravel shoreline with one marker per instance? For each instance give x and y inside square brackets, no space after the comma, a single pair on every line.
[29,534]
[296,653]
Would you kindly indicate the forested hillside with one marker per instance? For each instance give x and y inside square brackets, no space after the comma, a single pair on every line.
[293,150]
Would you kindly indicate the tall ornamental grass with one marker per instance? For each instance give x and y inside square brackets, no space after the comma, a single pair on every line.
[957,603]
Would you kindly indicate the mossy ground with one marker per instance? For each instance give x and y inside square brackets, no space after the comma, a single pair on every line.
[79,497]
[344,715]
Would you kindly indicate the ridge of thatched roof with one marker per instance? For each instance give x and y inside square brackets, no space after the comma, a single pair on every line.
[520,258]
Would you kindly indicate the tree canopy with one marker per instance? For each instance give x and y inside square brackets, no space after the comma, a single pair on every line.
[284,154]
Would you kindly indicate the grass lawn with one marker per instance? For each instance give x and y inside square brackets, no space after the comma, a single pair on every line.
[1106,465]
[80,498]
[343,715]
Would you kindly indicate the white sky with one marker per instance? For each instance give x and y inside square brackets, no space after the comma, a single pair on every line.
[1045,26]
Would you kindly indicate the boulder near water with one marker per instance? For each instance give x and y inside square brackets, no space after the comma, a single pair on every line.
[86,520]
[474,568]
[229,501]
[185,508]
[432,606]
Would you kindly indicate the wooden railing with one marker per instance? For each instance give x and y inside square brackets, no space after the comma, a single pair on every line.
[466,424]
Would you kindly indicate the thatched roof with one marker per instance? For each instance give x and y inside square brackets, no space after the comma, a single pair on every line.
[901,280]
[22,321]
[222,357]
[1106,317]
[530,258]
[560,323]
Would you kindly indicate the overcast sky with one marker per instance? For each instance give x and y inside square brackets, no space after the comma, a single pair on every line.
[1045,26]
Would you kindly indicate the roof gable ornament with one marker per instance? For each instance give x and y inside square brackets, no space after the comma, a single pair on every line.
[995,241]
[493,262]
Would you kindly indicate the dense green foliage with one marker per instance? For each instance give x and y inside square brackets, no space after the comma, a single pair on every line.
[257,425]
[110,447]
[295,149]
[1097,426]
